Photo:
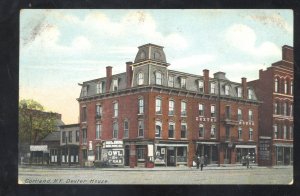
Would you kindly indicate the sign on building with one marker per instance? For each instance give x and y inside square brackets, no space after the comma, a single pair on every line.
[264,150]
[113,156]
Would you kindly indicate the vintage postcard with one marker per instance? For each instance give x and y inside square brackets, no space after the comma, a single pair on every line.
[156,96]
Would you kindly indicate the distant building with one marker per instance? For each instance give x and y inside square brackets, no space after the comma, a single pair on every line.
[69,144]
[151,115]
[46,148]
[276,126]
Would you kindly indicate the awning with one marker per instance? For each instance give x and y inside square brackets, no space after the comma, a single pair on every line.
[283,145]
[208,143]
[245,146]
[172,145]
[43,148]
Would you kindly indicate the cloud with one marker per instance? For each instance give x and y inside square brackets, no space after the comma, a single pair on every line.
[176,42]
[274,19]
[243,38]
[245,69]
[81,43]
[194,63]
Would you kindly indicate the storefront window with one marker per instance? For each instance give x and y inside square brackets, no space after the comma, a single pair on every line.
[181,154]
[140,154]
[279,155]
[84,154]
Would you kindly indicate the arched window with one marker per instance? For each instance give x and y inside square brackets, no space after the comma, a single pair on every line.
[291,88]
[275,131]
[158,105]
[158,78]
[115,130]
[171,107]
[157,129]
[240,132]
[171,133]
[183,108]
[116,109]
[141,105]
[140,78]
[201,130]
[284,108]
[141,128]
[276,85]
[285,87]
[126,129]
[201,109]
[213,131]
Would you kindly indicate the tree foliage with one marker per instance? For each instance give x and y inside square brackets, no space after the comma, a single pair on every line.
[34,122]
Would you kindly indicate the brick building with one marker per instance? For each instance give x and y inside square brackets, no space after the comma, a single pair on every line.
[152,115]
[275,89]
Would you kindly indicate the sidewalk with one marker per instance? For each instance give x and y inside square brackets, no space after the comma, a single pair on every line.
[157,168]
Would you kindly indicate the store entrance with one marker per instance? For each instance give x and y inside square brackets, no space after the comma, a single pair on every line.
[171,156]
[126,156]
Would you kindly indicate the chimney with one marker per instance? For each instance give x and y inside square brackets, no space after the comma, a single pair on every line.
[128,74]
[206,81]
[260,73]
[288,53]
[244,88]
[108,77]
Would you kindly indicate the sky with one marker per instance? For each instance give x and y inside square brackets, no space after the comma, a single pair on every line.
[61,48]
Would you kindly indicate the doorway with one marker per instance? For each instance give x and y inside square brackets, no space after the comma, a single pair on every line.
[126,156]
[171,156]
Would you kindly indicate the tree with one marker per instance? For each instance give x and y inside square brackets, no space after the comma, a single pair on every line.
[34,122]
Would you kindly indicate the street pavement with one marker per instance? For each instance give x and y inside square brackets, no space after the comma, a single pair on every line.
[158,175]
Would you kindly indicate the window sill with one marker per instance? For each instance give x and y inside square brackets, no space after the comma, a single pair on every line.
[140,137]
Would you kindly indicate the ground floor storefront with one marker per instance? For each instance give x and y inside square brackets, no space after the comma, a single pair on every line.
[165,153]
[283,154]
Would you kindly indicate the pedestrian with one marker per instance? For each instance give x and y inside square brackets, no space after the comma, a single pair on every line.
[198,161]
[248,160]
[201,162]
[205,160]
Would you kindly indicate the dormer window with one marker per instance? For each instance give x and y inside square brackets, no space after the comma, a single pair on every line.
[140,78]
[201,86]
[143,55]
[115,84]
[158,78]
[182,82]
[239,91]
[100,87]
[226,89]
[213,88]
[250,94]
[171,81]
[84,91]
[156,55]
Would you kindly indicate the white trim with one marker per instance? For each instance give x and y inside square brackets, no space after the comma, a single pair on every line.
[245,146]
[208,142]
[283,145]
[175,145]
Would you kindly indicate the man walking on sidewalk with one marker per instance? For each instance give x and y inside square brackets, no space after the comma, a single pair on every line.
[201,162]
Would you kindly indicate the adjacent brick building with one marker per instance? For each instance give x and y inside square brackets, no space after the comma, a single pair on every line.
[151,115]
[275,89]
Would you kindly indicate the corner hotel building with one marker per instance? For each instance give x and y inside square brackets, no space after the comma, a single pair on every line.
[162,117]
